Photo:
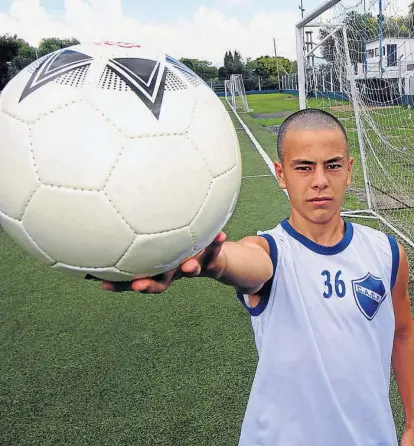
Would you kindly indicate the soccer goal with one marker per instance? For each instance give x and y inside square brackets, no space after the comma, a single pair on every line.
[236,94]
[356,60]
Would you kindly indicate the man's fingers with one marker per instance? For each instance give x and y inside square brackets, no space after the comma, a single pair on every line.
[159,283]
[191,267]
[220,238]
[148,286]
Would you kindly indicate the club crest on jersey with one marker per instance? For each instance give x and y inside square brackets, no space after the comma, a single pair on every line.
[55,65]
[369,293]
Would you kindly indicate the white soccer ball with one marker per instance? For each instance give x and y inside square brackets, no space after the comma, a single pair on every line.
[116,161]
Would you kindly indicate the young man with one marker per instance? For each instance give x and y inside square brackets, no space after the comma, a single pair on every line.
[328,301]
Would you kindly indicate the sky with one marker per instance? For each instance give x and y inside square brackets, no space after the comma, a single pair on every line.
[202,29]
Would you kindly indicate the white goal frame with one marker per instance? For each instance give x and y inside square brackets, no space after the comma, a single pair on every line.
[302,55]
[234,89]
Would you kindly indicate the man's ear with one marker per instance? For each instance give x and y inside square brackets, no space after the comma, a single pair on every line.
[280,174]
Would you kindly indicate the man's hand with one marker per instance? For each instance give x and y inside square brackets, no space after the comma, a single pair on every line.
[408,438]
[206,263]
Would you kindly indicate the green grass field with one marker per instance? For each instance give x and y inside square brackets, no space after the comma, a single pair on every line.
[80,366]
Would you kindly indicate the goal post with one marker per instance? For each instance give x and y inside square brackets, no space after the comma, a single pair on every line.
[235,93]
[356,60]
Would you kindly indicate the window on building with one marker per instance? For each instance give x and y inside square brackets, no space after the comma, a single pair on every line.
[392,55]
[370,54]
[377,51]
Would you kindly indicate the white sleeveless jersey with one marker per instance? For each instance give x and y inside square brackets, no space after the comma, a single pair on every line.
[324,332]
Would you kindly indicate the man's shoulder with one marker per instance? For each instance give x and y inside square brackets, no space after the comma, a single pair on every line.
[368,231]
[273,231]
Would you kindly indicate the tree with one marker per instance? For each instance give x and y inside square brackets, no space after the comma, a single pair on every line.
[202,68]
[238,65]
[51,44]
[9,49]
[16,53]
[26,54]
[229,63]
[222,73]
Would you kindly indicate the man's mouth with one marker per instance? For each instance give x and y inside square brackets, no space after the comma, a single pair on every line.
[320,200]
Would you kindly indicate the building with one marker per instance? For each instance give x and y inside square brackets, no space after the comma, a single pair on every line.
[391,69]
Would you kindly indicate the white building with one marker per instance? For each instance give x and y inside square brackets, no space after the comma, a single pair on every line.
[394,64]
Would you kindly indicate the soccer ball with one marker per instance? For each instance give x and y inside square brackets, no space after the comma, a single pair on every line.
[116,161]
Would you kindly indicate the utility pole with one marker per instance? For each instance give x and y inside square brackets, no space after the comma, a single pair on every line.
[302,10]
[277,64]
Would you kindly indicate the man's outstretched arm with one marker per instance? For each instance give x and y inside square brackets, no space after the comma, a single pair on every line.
[245,264]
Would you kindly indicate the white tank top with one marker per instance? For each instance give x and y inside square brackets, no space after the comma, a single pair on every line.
[324,331]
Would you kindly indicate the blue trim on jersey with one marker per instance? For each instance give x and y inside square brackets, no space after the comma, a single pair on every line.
[320,249]
[395,259]
[267,287]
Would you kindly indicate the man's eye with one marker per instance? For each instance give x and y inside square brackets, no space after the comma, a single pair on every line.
[334,166]
[302,168]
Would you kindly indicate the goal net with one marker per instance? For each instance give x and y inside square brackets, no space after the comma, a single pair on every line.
[236,94]
[356,60]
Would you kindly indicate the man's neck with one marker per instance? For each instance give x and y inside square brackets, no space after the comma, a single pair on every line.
[325,234]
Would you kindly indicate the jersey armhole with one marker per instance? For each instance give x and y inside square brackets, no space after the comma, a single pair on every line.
[264,293]
[395,259]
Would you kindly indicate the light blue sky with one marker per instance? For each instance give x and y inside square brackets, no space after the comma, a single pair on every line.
[167,10]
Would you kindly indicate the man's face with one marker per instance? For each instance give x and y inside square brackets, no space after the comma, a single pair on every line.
[315,171]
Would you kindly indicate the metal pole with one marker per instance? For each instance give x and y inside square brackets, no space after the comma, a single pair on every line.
[380,35]
[400,90]
[332,85]
[354,101]
[302,10]
[301,69]
[277,65]
[338,52]
[315,13]
[365,42]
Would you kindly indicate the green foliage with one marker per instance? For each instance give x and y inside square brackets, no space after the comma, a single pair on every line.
[51,44]
[267,68]
[363,28]
[12,53]
[202,68]
[16,53]
[25,56]
[9,46]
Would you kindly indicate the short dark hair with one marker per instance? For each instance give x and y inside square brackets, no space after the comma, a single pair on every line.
[309,118]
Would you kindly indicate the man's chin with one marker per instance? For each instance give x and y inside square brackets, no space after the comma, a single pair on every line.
[321,216]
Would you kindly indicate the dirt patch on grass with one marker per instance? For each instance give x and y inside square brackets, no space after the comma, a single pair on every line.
[342,107]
